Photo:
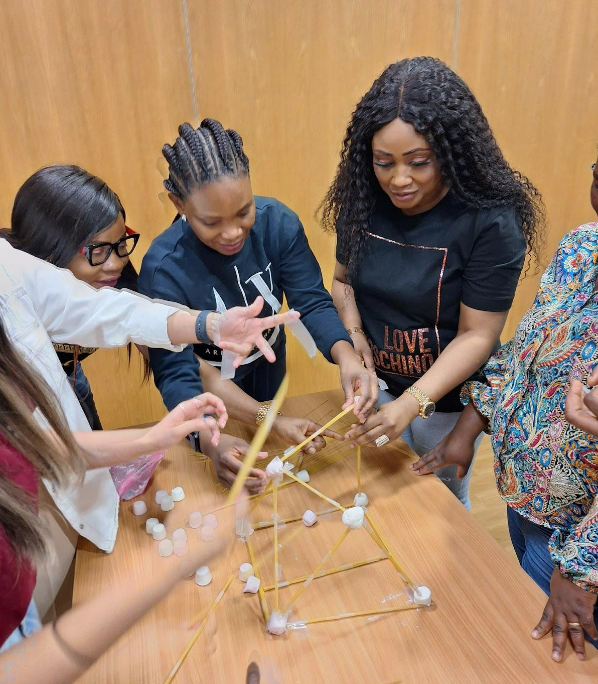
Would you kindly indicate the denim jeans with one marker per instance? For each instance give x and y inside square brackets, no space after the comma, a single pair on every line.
[31,624]
[85,397]
[530,542]
[424,434]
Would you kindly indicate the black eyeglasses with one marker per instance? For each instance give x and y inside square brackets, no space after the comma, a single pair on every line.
[99,252]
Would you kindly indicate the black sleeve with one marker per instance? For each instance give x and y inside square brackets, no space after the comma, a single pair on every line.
[492,271]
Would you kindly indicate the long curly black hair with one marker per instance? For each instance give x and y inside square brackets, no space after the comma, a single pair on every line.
[427,94]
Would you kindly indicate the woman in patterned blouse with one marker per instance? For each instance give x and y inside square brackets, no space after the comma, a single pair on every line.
[546,467]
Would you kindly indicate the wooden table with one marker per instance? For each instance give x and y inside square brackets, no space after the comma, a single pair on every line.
[478,629]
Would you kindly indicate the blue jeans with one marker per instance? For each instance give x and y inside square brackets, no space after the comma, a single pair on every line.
[530,542]
[422,435]
[31,624]
[85,397]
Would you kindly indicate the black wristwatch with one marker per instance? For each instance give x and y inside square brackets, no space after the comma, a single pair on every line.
[201,331]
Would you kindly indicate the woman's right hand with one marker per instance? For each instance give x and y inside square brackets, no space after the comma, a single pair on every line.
[361,346]
[227,458]
[454,449]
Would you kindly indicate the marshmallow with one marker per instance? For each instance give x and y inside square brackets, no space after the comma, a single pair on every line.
[181,547]
[422,596]
[277,623]
[203,576]
[252,585]
[179,534]
[303,475]
[160,494]
[159,532]
[245,571]
[139,508]
[177,494]
[207,533]
[243,528]
[288,451]
[276,469]
[165,548]
[353,517]
[150,523]
[309,518]
[210,520]
[195,520]
[167,504]
[361,499]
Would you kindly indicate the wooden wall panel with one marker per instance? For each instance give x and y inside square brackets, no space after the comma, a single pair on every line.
[102,84]
[287,77]
[531,65]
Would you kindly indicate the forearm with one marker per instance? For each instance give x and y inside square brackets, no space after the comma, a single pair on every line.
[239,405]
[181,327]
[343,297]
[341,352]
[104,448]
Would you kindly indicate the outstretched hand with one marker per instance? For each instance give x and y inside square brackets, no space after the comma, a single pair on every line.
[581,409]
[238,330]
[451,450]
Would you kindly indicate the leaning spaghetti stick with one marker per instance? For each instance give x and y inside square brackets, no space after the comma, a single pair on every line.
[379,539]
[260,591]
[265,524]
[198,631]
[361,613]
[315,491]
[258,441]
[333,571]
[358,447]
[308,581]
[275,507]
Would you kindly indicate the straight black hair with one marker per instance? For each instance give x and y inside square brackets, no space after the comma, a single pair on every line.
[58,210]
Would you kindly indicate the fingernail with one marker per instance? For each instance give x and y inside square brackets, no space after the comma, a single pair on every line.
[555,656]
[581,656]
[535,634]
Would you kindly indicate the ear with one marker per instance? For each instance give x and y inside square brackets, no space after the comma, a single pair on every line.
[178,203]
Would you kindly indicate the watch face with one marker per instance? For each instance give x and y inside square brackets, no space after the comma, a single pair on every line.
[428,409]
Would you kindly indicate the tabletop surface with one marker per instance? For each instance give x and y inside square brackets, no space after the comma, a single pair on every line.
[477,630]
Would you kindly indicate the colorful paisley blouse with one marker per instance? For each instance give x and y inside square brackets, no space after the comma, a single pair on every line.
[546,469]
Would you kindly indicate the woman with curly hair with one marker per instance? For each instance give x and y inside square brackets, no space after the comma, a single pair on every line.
[432,230]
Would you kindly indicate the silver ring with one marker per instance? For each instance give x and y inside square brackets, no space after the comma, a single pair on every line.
[382,440]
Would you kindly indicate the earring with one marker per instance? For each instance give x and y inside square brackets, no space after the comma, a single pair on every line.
[183,217]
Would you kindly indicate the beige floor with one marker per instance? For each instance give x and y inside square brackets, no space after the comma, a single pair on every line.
[486,504]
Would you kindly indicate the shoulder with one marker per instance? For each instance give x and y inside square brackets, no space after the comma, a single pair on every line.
[161,249]
[276,220]
[577,252]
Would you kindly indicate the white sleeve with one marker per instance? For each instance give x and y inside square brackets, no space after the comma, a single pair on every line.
[74,312]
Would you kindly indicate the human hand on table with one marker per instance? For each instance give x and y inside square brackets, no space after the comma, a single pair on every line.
[238,330]
[391,420]
[189,416]
[227,458]
[581,409]
[454,449]
[296,430]
[568,612]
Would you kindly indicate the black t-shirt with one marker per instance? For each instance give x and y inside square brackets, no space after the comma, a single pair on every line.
[415,272]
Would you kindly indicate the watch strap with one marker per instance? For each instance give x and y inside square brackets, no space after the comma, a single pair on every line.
[201,331]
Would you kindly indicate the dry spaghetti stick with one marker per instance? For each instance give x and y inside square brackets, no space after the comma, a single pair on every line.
[260,591]
[359,468]
[275,507]
[362,613]
[258,441]
[376,533]
[333,571]
[316,492]
[308,581]
[198,631]
[265,524]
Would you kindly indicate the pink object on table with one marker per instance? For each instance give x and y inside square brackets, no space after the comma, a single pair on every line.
[131,479]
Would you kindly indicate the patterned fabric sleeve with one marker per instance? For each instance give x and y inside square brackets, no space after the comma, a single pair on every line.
[485,391]
[576,555]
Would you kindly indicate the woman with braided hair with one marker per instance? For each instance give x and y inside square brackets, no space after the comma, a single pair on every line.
[432,229]
[225,248]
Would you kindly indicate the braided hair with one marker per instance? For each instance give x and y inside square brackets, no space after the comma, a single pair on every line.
[427,94]
[203,155]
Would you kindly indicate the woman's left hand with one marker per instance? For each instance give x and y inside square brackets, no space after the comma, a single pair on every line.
[358,381]
[391,420]
[569,611]
[580,410]
[189,416]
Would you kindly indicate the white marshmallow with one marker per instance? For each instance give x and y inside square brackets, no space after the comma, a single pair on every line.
[275,467]
[361,499]
[139,508]
[167,504]
[353,517]
[207,533]
[177,494]
[303,475]
[165,548]
[243,528]
[195,520]
[159,532]
[252,585]
[179,533]
[210,520]
[160,494]
[181,547]
[288,451]
[150,523]
[309,518]
[277,623]
[203,576]
[422,596]
[245,571]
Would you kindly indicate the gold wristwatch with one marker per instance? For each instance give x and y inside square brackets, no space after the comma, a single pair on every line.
[261,414]
[426,405]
